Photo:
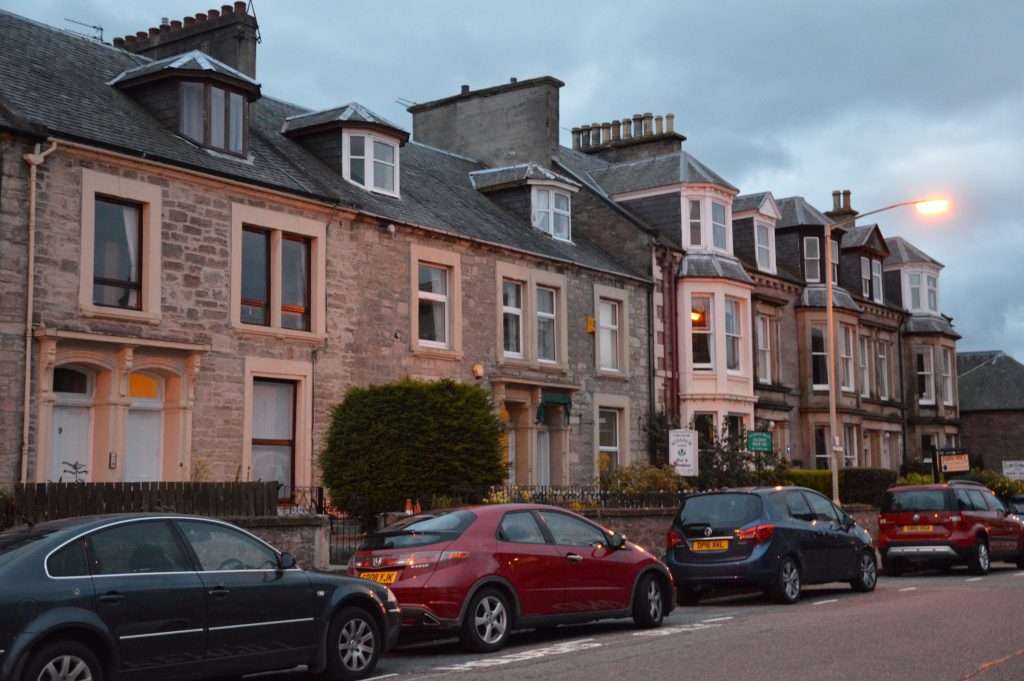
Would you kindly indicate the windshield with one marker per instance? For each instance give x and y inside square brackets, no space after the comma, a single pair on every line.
[420,530]
[721,511]
[915,500]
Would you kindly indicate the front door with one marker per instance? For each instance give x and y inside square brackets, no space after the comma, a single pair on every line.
[69,443]
[143,445]
[543,458]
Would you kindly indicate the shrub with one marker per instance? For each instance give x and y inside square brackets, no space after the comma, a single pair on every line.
[656,425]
[411,439]
[816,480]
[1003,486]
[864,485]
[641,477]
[723,463]
[915,479]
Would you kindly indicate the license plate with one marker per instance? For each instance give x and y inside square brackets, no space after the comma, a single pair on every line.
[387,577]
[918,528]
[711,545]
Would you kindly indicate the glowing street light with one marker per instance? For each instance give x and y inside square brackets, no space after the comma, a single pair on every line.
[923,206]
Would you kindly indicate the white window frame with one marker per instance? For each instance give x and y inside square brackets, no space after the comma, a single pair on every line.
[927,372]
[612,328]
[846,358]
[915,290]
[882,370]
[764,349]
[620,297]
[546,316]
[369,159]
[765,249]
[947,377]
[823,354]
[708,330]
[516,312]
[849,445]
[865,277]
[834,245]
[695,223]
[722,226]
[533,281]
[614,450]
[812,276]
[439,258]
[443,298]
[551,210]
[876,281]
[932,291]
[734,334]
[863,357]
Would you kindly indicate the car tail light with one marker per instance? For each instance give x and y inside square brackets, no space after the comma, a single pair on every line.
[674,539]
[415,561]
[757,534]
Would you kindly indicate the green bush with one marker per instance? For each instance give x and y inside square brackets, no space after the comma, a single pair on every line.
[657,426]
[642,477]
[724,463]
[410,440]
[864,485]
[912,478]
[816,480]
[1003,486]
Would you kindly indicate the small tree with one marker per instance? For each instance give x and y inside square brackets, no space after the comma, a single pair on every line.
[411,439]
[657,425]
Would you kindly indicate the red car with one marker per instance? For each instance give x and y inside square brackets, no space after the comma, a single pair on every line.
[958,522]
[484,571]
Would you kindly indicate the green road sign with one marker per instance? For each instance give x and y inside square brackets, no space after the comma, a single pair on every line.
[759,441]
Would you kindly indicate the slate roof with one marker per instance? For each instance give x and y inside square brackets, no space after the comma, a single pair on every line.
[59,80]
[747,202]
[189,61]
[929,324]
[353,112]
[989,381]
[815,295]
[902,251]
[497,177]
[797,211]
[658,171]
[855,237]
[713,266]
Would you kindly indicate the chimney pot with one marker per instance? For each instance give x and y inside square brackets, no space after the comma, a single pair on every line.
[190,21]
[212,14]
[648,124]
[616,130]
[141,35]
[595,134]
[465,89]
[836,201]
[638,125]
[200,17]
[153,30]
[658,123]
[513,79]
[606,133]
[175,25]
[627,129]
[129,39]
[227,9]
[575,138]
[670,122]
[240,7]
[585,136]
[118,42]
[164,21]
[846,199]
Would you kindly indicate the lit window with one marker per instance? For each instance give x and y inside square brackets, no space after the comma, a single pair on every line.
[733,337]
[865,366]
[695,224]
[512,318]
[812,259]
[718,230]
[819,359]
[608,439]
[764,357]
[925,377]
[433,306]
[371,162]
[701,332]
[551,212]
[876,280]
[117,255]
[762,235]
[546,325]
[947,376]
[846,358]
[213,117]
[608,335]
[882,370]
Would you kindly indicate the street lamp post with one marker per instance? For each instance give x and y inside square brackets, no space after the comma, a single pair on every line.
[925,206]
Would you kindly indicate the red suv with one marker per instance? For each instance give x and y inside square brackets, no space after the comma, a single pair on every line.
[484,571]
[958,522]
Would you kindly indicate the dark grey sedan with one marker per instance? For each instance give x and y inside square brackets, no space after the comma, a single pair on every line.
[156,597]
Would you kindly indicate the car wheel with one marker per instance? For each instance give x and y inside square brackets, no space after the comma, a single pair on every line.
[63,661]
[648,603]
[487,623]
[786,589]
[980,561]
[1020,559]
[867,578]
[353,644]
[687,596]
[893,567]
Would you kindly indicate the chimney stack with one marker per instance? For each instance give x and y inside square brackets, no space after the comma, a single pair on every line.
[631,138]
[846,200]
[836,205]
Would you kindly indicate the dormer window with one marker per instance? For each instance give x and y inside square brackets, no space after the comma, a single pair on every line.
[718,231]
[371,162]
[706,224]
[213,117]
[871,279]
[921,291]
[552,212]
[764,239]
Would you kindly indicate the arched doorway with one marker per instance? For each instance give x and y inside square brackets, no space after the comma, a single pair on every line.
[143,459]
[71,425]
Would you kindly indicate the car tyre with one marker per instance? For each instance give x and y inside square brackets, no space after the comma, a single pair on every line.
[893,567]
[686,595]
[353,644]
[63,660]
[648,602]
[786,588]
[980,562]
[1020,559]
[487,623]
[867,577]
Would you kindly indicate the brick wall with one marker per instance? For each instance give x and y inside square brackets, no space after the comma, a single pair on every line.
[996,436]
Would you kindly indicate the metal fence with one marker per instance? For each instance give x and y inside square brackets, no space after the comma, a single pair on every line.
[571,497]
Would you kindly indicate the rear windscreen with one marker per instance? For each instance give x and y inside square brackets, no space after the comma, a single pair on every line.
[915,500]
[420,530]
[720,511]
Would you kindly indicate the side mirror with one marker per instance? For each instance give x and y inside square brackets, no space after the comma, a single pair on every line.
[848,521]
[286,562]
[617,541]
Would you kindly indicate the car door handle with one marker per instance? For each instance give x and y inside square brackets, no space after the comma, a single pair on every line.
[574,557]
[111,597]
[219,592]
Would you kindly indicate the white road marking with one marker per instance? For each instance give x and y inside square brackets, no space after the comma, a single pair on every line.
[909,588]
[825,602]
[974,579]
[668,631]
[523,656]
[723,619]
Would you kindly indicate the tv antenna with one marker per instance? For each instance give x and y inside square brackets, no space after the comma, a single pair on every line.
[98,29]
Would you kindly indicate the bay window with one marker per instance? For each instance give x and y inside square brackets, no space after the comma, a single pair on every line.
[764,344]
[819,359]
[846,357]
[718,228]
[812,259]
[701,334]
[733,335]
[925,376]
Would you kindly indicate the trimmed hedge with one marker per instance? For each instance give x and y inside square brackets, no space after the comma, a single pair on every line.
[856,485]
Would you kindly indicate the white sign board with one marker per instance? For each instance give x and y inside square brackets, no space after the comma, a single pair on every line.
[1014,470]
[682,452]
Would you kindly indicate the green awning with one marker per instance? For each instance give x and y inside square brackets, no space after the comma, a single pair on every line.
[556,400]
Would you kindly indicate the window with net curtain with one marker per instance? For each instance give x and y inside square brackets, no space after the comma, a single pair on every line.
[117,250]
[608,334]
[608,438]
[273,433]
[546,327]
[512,318]
[433,305]
[733,337]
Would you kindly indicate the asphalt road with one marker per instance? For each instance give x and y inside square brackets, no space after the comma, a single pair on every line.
[935,626]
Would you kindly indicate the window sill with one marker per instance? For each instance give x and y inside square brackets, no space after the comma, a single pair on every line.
[614,375]
[284,334]
[437,353]
[124,315]
[535,365]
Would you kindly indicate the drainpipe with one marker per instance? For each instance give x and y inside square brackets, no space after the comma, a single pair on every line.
[34,161]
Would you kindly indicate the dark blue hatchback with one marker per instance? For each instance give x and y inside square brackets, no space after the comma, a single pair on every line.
[774,538]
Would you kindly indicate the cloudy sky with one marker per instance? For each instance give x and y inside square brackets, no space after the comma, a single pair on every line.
[892,99]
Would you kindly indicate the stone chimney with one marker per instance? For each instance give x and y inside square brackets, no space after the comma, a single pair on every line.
[841,208]
[228,35]
[508,124]
[633,138]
